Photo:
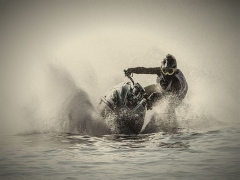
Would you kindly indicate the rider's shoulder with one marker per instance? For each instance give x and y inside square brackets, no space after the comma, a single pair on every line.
[178,71]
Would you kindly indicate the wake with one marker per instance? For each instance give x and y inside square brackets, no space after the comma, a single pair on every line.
[69,109]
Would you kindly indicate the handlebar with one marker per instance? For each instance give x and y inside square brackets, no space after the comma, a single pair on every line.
[129,76]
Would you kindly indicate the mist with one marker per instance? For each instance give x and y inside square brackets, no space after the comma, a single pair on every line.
[61,56]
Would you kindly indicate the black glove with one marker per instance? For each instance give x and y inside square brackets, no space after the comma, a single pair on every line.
[128,72]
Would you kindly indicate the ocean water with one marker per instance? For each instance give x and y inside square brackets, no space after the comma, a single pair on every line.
[186,154]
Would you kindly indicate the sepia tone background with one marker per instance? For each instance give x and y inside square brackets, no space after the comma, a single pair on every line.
[58,57]
[49,48]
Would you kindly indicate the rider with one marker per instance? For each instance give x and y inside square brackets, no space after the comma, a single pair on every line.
[171,80]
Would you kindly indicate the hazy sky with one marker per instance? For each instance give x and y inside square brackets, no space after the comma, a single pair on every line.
[95,40]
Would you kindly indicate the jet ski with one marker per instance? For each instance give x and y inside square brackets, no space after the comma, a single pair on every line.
[124,107]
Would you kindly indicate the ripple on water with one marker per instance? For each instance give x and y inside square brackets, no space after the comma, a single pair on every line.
[66,156]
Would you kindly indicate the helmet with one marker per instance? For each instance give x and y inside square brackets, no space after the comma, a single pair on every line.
[169,65]
[169,62]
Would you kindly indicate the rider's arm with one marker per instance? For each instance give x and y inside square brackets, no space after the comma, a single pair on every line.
[143,70]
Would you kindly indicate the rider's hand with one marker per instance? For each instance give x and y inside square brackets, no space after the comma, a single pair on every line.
[127,72]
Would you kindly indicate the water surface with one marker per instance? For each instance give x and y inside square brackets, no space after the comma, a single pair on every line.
[183,155]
